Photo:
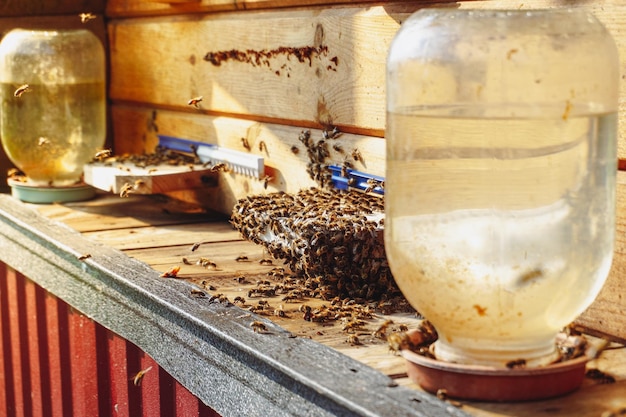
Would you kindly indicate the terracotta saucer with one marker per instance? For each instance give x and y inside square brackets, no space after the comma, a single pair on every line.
[482,383]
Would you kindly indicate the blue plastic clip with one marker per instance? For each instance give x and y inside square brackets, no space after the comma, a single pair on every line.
[345,178]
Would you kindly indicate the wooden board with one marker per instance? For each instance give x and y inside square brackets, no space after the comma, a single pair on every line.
[126,178]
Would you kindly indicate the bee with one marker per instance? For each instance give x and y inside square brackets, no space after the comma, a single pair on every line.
[262,146]
[195,102]
[198,293]
[266,262]
[219,167]
[334,133]
[139,184]
[352,325]
[246,144]
[398,342]
[43,141]
[85,256]
[372,184]
[14,173]
[258,327]
[516,364]
[195,246]
[295,150]
[242,258]
[601,377]
[266,180]
[139,376]
[100,155]
[207,263]
[353,340]
[86,17]
[239,300]
[126,190]
[171,273]
[381,332]
[152,170]
[338,148]
[279,312]
[24,88]
[356,155]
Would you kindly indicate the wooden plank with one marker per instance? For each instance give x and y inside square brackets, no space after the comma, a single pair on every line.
[287,169]
[177,234]
[126,178]
[109,212]
[343,49]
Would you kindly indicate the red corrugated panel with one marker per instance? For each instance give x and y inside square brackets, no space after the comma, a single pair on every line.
[55,362]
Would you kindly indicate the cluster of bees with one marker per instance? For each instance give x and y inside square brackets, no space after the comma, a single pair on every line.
[334,239]
[160,156]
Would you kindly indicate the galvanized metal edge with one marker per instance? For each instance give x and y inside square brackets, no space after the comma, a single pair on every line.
[208,347]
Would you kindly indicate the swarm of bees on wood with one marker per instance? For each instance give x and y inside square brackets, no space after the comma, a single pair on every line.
[334,239]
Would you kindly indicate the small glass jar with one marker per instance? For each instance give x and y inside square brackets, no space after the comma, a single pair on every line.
[53,115]
[500,183]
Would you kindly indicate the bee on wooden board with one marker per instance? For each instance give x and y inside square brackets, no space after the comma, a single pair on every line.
[295,150]
[258,327]
[85,256]
[24,88]
[262,146]
[246,144]
[381,332]
[266,180]
[242,258]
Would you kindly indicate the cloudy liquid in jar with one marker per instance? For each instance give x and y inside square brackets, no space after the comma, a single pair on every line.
[63,122]
[500,231]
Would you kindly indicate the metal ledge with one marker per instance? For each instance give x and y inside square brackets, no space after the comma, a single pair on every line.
[208,347]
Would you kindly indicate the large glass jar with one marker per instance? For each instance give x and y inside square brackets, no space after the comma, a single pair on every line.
[52,88]
[500,183]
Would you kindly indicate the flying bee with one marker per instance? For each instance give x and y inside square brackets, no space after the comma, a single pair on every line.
[338,148]
[186,261]
[195,102]
[171,273]
[258,327]
[246,144]
[195,246]
[24,88]
[104,153]
[43,141]
[86,17]
[262,146]
[139,376]
[295,150]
